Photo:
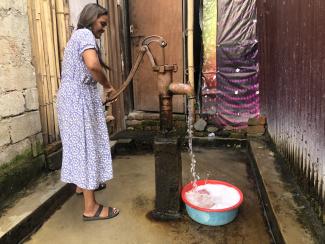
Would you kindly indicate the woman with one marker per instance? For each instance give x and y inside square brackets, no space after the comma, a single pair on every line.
[86,152]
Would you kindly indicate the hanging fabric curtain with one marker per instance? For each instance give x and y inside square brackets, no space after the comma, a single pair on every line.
[230,93]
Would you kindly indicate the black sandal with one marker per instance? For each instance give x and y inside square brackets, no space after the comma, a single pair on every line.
[100,187]
[111,214]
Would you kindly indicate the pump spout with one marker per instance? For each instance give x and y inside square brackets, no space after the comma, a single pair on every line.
[181,89]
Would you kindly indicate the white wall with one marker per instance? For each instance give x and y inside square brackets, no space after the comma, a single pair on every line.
[75,8]
[20,127]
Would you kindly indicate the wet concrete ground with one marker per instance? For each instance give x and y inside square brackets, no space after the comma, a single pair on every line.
[133,191]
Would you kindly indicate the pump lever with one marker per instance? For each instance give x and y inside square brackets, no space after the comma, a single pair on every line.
[162,43]
[154,38]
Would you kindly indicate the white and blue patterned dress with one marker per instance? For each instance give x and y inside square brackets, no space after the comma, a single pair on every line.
[87,158]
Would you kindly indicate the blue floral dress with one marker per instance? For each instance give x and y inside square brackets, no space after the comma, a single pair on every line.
[87,158]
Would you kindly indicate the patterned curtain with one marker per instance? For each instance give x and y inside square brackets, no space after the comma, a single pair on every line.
[230,92]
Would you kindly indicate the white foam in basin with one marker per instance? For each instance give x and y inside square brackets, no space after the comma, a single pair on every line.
[213,196]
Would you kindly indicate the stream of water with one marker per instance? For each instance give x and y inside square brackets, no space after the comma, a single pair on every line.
[195,175]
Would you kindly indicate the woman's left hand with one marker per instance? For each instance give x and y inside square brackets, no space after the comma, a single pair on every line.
[109,94]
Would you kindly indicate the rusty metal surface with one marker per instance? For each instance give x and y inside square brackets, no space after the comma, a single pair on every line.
[292,61]
[166,87]
[129,78]
[163,18]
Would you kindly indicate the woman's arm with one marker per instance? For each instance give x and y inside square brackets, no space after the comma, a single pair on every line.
[91,60]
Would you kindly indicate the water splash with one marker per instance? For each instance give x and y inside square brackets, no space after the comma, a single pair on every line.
[207,178]
[195,175]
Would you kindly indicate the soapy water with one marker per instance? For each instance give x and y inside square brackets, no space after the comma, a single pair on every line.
[213,196]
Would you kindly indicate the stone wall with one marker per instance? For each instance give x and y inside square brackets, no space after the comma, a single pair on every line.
[20,127]
[139,120]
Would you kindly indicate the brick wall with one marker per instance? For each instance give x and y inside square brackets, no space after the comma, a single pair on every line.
[20,127]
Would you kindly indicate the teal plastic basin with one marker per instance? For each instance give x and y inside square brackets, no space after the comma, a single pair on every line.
[211,217]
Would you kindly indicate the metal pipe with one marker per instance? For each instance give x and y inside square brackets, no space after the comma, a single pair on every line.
[166,87]
[164,80]
[181,89]
[190,56]
[130,77]
[166,113]
[184,46]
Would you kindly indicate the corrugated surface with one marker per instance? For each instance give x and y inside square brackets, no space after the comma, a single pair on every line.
[292,62]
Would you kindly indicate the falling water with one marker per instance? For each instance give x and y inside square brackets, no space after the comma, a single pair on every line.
[198,195]
[190,143]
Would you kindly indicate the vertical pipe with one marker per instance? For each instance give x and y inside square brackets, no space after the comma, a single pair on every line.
[190,21]
[184,24]
[166,116]
[190,56]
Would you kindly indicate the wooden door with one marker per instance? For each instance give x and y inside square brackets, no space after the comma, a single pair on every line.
[163,18]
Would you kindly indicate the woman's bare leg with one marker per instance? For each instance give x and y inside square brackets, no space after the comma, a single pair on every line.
[91,205]
[100,187]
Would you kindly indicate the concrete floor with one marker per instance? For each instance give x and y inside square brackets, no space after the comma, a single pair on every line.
[133,191]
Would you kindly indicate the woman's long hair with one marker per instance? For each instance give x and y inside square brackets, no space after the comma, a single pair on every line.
[88,16]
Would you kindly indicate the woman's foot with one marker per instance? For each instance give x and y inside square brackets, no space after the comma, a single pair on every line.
[99,213]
